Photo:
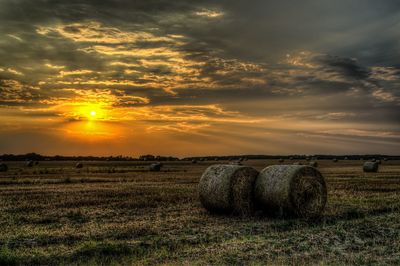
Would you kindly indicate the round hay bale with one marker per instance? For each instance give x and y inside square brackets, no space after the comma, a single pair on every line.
[290,190]
[79,165]
[370,167]
[3,167]
[29,164]
[155,167]
[313,164]
[228,189]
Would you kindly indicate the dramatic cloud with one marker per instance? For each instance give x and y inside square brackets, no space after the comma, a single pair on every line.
[199,77]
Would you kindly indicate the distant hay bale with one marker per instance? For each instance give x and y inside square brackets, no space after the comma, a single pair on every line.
[371,167]
[228,189]
[313,164]
[290,190]
[194,161]
[385,159]
[29,163]
[236,163]
[155,167]
[335,160]
[373,160]
[79,165]
[3,167]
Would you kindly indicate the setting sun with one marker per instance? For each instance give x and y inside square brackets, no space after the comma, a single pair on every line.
[93,113]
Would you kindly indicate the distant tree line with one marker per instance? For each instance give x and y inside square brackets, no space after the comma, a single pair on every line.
[295,157]
[149,157]
[38,157]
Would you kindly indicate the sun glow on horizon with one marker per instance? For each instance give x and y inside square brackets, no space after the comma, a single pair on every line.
[90,111]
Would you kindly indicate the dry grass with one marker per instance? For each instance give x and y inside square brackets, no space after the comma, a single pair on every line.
[120,213]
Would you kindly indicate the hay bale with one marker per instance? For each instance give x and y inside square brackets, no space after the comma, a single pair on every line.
[236,163]
[290,190]
[370,167]
[79,165]
[385,159]
[335,160]
[194,161]
[3,167]
[155,167]
[228,189]
[373,160]
[313,164]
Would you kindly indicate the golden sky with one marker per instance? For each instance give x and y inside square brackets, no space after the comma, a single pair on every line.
[183,78]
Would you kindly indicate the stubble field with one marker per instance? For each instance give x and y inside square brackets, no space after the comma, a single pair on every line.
[120,213]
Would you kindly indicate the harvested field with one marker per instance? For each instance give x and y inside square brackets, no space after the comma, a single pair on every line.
[121,213]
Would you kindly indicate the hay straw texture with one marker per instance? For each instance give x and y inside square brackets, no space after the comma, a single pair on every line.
[3,167]
[371,167]
[291,190]
[228,189]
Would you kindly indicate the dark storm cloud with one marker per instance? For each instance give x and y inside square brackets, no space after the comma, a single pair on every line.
[345,66]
